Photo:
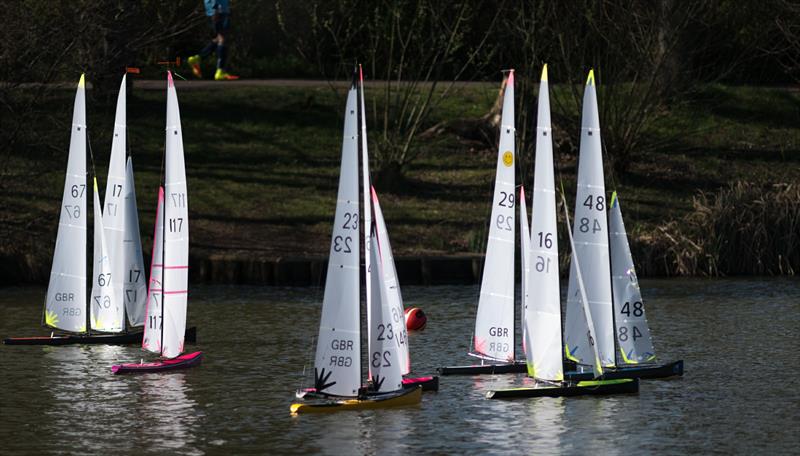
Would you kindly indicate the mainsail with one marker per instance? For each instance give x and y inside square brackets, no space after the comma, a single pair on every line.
[176,232]
[494,323]
[135,286]
[543,314]
[154,311]
[66,302]
[113,216]
[590,233]
[524,257]
[633,333]
[337,364]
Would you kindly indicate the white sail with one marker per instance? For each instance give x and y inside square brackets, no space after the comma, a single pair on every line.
[385,358]
[337,364]
[590,232]
[524,256]
[633,332]
[154,312]
[365,191]
[114,206]
[494,323]
[66,302]
[543,315]
[389,274]
[107,312]
[589,336]
[135,286]
[176,232]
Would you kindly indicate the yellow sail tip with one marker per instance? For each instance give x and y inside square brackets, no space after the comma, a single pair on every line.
[590,79]
[95,184]
[544,73]
[82,82]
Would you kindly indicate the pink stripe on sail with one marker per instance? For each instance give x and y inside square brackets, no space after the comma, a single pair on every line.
[177,292]
[176,267]
[156,265]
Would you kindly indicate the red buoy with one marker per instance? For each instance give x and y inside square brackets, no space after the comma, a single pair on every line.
[415,319]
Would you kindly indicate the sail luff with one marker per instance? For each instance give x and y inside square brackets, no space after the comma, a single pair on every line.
[366,195]
[543,315]
[590,233]
[153,311]
[392,284]
[66,304]
[525,249]
[494,323]
[632,330]
[337,362]
[135,284]
[176,232]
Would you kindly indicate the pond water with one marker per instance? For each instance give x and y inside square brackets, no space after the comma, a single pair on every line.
[740,394]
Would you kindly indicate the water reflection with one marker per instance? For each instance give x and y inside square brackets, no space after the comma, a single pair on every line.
[167,416]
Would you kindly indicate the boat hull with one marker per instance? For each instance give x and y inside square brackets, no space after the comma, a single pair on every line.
[181,362]
[108,339]
[403,397]
[673,369]
[427,383]
[516,367]
[584,388]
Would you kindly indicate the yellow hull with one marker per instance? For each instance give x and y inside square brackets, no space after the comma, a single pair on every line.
[409,397]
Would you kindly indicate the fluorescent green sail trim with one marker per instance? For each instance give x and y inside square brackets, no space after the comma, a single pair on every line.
[531,371]
[82,329]
[614,199]
[604,382]
[95,184]
[590,79]
[82,83]
[97,323]
[625,359]
[651,358]
[569,355]
[50,318]
[598,368]
[544,73]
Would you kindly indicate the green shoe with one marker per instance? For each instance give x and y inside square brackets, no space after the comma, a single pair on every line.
[222,75]
[194,63]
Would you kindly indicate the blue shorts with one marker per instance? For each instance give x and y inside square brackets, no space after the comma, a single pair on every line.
[221,23]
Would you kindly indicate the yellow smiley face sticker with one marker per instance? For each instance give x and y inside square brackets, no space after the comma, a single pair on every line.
[508,158]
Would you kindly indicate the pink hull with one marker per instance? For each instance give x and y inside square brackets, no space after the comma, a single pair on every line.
[181,362]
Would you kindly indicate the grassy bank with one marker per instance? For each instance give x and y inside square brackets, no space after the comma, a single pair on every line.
[262,165]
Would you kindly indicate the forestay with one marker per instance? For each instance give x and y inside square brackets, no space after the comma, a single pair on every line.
[66,302]
[525,241]
[393,295]
[154,311]
[135,286]
[494,323]
[107,312]
[337,364]
[590,233]
[385,358]
[633,333]
[543,314]
[365,188]
[114,213]
[176,232]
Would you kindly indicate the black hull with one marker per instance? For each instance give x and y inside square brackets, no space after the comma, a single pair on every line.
[673,369]
[590,388]
[427,383]
[107,339]
[486,369]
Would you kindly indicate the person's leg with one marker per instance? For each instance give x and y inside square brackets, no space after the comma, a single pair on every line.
[222,26]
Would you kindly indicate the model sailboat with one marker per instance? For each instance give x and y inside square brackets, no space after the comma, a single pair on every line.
[600,250]
[493,340]
[543,309]
[117,272]
[337,363]
[168,295]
